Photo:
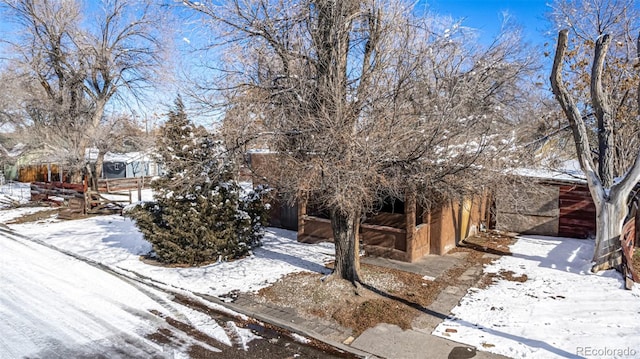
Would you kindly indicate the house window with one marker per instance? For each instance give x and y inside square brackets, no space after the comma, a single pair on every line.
[391,205]
[315,210]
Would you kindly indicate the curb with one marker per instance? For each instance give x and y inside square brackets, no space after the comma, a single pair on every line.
[292,327]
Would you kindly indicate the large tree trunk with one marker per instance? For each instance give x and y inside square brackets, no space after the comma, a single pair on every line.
[609,197]
[610,217]
[96,170]
[78,164]
[346,227]
[600,101]
[76,173]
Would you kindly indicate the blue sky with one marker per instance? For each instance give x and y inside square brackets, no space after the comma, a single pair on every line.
[486,15]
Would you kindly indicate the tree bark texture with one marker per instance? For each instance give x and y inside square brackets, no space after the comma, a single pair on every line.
[609,221]
[572,113]
[75,174]
[603,113]
[346,228]
[610,203]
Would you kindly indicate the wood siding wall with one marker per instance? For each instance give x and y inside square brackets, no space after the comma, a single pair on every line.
[38,173]
[577,217]
[547,208]
[396,236]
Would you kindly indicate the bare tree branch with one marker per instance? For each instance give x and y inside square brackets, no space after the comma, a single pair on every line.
[603,113]
[364,101]
[70,71]
[572,113]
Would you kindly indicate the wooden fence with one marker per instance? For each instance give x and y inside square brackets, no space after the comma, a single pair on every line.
[56,191]
[628,239]
[116,185]
[81,200]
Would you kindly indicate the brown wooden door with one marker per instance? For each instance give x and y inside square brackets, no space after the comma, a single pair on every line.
[577,212]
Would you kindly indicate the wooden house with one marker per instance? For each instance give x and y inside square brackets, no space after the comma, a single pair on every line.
[129,165]
[34,166]
[407,232]
[400,230]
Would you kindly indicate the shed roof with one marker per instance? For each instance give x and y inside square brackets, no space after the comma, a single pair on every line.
[569,171]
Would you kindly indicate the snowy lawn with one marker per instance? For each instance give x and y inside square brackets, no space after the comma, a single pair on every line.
[10,215]
[14,192]
[561,311]
[54,306]
[146,195]
[115,241]
[44,309]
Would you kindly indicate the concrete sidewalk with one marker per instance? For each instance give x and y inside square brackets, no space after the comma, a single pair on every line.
[384,340]
[390,341]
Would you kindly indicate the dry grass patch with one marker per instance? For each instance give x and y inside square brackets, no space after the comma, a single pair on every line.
[488,242]
[36,216]
[492,278]
[386,295]
[371,312]
[635,260]
[511,276]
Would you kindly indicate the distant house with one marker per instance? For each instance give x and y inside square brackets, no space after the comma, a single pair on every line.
[129,165]
[41,166]
[27,164]
[400,230]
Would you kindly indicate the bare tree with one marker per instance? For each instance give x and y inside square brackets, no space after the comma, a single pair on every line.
[70,71]
[586,20]
[10,111]
[363,100]
[116,133]
[610,196]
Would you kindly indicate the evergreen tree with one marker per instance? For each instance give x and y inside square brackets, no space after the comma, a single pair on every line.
[199,214]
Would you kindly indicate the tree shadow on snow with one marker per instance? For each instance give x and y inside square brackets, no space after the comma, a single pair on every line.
[529,342]
[569,255]
[291,260]
[533,343]
[122,233]
[278,238]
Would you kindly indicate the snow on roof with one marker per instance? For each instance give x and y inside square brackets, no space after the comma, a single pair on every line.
[17,150]
[261,150]
[127,157]
[92,154]
[568,171]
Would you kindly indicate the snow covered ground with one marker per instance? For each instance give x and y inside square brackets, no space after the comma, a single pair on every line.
[52,305]
[55,306]
[561,311]
[115,241]
[14,192]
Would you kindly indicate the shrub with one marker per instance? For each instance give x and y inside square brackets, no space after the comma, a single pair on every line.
[199,213]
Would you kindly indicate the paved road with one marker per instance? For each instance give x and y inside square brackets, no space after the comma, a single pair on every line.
[53,305]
